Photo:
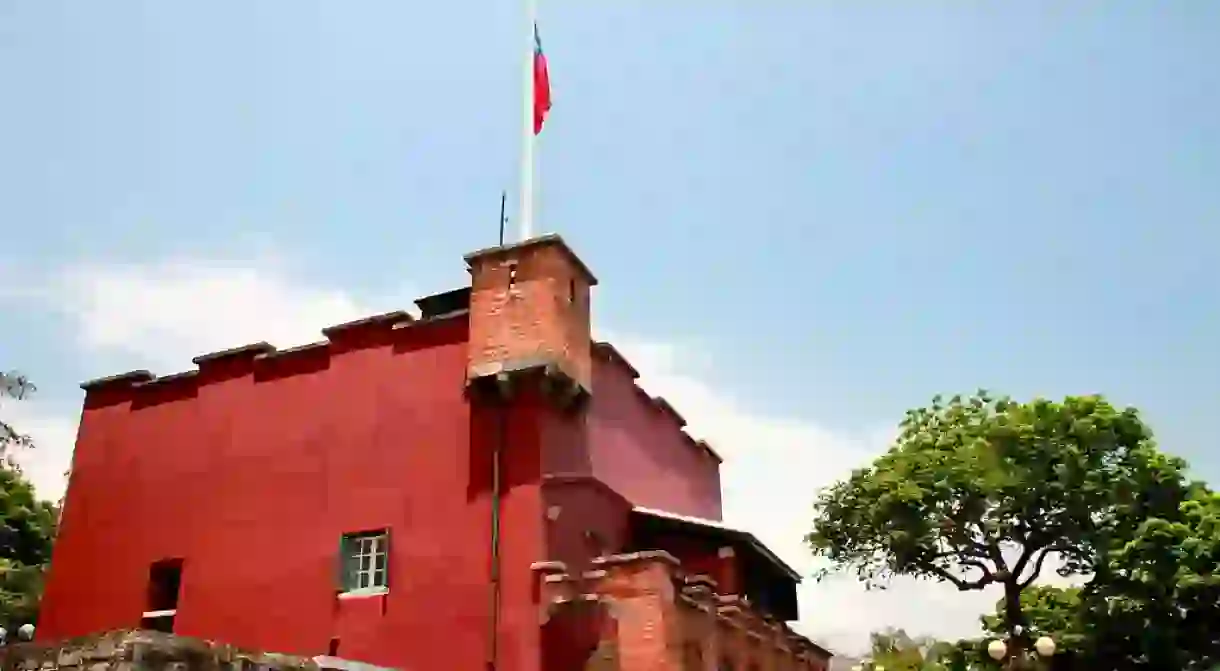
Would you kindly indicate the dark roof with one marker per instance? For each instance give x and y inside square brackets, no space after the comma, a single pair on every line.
[723,530]
[251,349]
[130,377]
[444,303]
[386,318]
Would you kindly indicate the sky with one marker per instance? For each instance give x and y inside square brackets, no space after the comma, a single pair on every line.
[807,217]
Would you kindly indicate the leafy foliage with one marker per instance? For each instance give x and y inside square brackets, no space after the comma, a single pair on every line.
[27,525]
[965,655]
[27,529]
[895,650]
[1049,611]
[20,593]
[17,386]
[983,490]
[1153,602]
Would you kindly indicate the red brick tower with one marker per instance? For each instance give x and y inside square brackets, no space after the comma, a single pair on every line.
[529,361]
[529,313]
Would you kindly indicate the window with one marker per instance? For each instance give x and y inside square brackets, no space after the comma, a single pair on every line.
[365,557]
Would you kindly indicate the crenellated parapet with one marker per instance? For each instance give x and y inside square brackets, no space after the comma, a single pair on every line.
[666,618]
[264,358]
[607,352]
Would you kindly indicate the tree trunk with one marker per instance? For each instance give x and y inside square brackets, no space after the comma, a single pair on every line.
[1014,619]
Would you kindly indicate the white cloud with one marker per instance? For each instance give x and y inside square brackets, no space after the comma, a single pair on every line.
[160,315]
[773,469]
[54,435]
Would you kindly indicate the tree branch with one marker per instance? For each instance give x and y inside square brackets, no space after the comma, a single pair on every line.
[977,564]
[1058,547]
[962,545]
[1027,553]
[960,583]
[1032,543]
[993,552]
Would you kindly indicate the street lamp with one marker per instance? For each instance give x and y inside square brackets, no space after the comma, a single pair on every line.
[1044,646]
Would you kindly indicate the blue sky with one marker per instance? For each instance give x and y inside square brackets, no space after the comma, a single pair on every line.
[828,211]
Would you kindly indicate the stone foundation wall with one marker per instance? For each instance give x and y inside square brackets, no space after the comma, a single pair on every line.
[641,612]
[142,651]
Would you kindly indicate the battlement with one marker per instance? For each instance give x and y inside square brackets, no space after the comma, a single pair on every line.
[607,352]
[253,358]
[650,597]
[388,328]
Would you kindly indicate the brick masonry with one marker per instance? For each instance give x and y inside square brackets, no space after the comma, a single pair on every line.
[529,307]
[642,612]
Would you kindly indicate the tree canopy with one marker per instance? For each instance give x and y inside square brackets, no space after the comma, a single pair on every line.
[895,650]
[1049,611]
[16,386]
[1153,602]
[984,490]
[27,524]
[27,529]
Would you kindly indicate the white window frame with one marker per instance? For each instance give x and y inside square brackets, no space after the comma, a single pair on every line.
[360,580]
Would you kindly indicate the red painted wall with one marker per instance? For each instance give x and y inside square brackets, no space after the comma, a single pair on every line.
[586,519]
[252,469]
[642,453]
[251,472]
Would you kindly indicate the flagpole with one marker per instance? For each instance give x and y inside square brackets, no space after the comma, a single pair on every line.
[527,125]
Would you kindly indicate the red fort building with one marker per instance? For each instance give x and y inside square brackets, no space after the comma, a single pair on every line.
[478,486]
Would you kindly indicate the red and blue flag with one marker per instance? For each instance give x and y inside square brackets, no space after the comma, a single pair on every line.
[542,84]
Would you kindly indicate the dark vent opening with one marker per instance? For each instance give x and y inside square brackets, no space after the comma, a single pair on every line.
[444,303]
[164,583]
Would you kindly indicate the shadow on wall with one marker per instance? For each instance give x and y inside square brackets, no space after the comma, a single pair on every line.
[580,635]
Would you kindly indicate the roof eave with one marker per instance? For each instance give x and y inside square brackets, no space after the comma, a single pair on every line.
[740,534]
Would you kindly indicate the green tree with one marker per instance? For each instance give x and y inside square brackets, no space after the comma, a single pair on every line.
[27,525]
[1049,611]
[1155,600]
[982,491]
[895,650]
[1152,600]
[16,386]
[965,655]
[1153,603]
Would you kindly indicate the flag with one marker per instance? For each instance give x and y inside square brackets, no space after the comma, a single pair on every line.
[536,101]
[542,84]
